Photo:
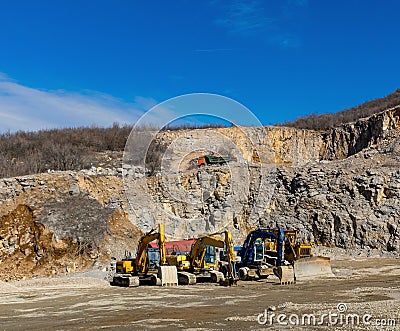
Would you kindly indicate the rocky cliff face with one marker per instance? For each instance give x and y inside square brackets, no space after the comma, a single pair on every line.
[349,204]
[339,188]
[350,198]
[293,147]
[277,145]
[61,222]
[351,138]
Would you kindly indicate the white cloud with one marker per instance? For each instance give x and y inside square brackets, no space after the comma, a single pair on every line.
[26,108]
[244,17]
[276,23]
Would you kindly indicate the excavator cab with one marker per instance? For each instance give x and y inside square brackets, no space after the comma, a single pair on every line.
[153,258]
[258,250]
[209,258]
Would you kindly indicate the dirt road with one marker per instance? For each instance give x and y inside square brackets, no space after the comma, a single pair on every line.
[368,289]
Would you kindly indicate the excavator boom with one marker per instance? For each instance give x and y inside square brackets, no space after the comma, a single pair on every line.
[141,265]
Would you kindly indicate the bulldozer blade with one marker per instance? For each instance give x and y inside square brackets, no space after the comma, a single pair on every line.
[314,267]
[285,274]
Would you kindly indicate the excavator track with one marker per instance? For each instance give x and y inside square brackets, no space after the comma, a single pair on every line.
[186,278]
[125,281]
[216,276]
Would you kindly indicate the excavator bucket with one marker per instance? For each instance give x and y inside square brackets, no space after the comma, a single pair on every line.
[168,275]
[314,267]
[285,274]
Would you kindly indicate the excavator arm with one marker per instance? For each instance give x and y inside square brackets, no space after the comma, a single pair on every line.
[230,254]
[198,250]
[141,256]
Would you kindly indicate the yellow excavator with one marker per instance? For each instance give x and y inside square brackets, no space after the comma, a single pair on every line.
[306,265]
[200,264]
[131,272]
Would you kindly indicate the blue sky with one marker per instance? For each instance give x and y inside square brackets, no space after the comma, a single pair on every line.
[68,63]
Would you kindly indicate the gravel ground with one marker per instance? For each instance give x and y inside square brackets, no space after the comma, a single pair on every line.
[364,293]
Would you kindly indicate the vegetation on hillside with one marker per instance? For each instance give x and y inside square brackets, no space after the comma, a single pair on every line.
[331,120]
[23,153]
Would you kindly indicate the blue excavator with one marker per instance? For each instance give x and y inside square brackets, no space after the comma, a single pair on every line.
[253,263]
[268,252]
